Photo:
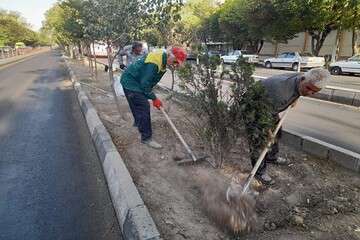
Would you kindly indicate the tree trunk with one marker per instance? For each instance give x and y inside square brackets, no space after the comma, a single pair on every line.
[71,49]
[250,45]
[335,52]
[305,42]
[67,50]
[95,59]
[313,39]
[90,59]
[80,50]
[276,48]
[355,46]
[172,79]
[260,46]
[88,55]
[318,39]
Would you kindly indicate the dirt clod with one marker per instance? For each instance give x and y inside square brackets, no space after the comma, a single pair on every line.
[237,213]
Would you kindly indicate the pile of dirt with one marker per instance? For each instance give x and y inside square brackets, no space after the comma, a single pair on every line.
[312,198]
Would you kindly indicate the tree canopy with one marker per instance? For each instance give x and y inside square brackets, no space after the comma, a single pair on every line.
[14,28]
[245,23]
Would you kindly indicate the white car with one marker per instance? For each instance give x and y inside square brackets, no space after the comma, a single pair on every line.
[351,65]
[234,55]
[292,60]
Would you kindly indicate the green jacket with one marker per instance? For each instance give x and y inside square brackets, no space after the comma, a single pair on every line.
[145,73]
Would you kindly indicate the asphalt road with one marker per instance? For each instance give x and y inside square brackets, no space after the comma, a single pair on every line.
[51,182]
[329,122]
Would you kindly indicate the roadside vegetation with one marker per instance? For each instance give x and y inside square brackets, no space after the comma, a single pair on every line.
[16,32]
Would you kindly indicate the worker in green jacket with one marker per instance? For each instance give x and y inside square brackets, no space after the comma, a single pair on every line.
[138,81]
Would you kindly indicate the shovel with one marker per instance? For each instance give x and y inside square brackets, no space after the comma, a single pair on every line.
[194,158]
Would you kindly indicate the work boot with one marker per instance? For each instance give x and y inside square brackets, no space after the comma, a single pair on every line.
[265,179]
[151,143]
[281,161]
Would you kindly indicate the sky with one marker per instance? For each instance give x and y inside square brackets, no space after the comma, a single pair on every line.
[32,10]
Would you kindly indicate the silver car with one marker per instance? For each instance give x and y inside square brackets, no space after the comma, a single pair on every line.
[293,59]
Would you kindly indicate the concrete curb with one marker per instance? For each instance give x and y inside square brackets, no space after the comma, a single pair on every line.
[340,95]
[321,149]
[134,218]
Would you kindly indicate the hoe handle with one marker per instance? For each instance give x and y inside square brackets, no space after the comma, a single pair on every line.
[179,135]
[265,150]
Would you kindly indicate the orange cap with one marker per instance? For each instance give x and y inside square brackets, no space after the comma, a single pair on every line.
[179,53]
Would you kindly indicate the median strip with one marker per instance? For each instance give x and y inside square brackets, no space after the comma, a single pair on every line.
[324,150]
[133,216]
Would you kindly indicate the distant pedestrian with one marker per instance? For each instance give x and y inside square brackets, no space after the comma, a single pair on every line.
[136,52]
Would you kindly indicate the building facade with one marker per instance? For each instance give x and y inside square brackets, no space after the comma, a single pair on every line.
[302,44]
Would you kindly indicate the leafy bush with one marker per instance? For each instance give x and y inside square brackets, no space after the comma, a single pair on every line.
[222,113]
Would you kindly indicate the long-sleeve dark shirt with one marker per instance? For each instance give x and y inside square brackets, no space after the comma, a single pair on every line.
[282,90]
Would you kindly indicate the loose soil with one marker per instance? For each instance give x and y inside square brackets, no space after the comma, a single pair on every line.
[312,198]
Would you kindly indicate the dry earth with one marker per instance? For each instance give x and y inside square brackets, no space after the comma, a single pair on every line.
[312,198]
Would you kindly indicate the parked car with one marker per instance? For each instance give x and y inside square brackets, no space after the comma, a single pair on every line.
[20,45]
[351,65]
[292,60]
[234,55]
[214,53]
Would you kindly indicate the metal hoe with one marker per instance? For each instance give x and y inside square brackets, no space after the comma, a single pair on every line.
[188,149]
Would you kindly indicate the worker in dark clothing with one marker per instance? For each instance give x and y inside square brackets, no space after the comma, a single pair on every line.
[280,92]
[138,81]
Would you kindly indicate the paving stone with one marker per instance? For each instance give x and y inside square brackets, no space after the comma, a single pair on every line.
[357,100]
[92,120]
[344,97]
[345,158]
[139,225]
[124,193]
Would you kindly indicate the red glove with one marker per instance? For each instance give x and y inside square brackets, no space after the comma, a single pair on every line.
[157,103]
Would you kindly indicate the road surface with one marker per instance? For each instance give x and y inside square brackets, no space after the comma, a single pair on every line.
[52,184]
[329,122]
